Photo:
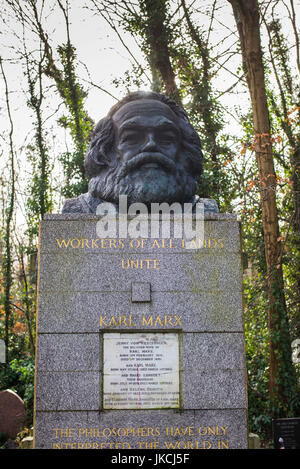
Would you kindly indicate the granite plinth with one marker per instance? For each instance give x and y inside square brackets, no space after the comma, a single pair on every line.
[91,287]
[137,429]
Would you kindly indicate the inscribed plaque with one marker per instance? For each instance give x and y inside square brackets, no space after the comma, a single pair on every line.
[141,370]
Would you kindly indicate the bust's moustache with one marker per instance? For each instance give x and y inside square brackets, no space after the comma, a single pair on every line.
[174,183]
[149,158]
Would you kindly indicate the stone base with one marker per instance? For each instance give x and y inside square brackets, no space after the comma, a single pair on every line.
[159,429]
[88,289]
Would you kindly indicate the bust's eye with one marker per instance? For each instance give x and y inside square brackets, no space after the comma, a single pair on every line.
[130,137]
[167,138]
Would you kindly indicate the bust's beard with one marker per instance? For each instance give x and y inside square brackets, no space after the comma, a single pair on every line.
[146,185]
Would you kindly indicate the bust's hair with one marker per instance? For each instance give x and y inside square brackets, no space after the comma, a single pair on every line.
[100,154]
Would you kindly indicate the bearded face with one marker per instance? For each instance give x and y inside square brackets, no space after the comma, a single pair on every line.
[150,164]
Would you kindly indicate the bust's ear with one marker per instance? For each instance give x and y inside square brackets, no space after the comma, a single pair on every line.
[100,150]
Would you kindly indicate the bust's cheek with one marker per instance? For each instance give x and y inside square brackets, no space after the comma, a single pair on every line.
[126,153]
[172,150]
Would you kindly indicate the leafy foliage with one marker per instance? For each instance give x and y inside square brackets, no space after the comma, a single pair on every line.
[78,123]
[183,60]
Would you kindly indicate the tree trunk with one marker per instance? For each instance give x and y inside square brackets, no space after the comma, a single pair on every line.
[246,13]
[205,103]
[7,258]
[279,52]
[158,40]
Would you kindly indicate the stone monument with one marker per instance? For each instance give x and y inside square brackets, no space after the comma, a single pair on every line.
[12,414]
[140,333]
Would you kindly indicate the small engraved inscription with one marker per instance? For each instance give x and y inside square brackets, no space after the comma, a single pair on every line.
[141,370]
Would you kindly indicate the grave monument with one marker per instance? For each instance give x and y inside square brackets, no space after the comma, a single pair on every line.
[140,341]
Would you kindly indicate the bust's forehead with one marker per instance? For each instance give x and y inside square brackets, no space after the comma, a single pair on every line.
[144,108]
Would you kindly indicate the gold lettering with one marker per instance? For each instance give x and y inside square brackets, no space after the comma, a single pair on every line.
[168,320]
[64,432]
[149,322]
[130,323]
[134,263]
[104,243]
[158,320]
[155,244]
[102,321]
[193,243]
[112,243]
[140,264]
[171,445]
[63,242]
[202,431]
[210,243]
[224,430]
[135,243]
[162,320]
[211,430]
[223,444]
[148,445]
[206,445]
[94,243]
[220,243]
[179,444]
[112,322]
[143,241]
[173,431]
[178,320]
[78,243]
[122,319]
[85,242]
[202,243]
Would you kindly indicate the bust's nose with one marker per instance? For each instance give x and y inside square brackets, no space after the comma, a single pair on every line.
[150,143]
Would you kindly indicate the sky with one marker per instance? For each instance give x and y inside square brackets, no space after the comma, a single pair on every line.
[101,58]
[99,50]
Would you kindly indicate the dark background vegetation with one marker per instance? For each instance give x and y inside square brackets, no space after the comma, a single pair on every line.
[239,82]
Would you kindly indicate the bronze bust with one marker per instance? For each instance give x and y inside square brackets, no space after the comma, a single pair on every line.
[146,149]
